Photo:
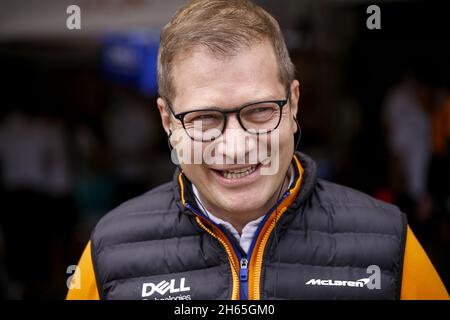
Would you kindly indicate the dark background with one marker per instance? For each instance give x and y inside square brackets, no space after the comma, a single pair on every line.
[75,142]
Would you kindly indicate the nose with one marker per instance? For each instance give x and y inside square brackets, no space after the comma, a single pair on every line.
[236,144]
[232,122]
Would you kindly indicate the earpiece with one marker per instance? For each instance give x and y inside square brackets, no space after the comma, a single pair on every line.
[299,133]
[168,140]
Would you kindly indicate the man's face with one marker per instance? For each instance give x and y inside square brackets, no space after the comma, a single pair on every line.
[203,80]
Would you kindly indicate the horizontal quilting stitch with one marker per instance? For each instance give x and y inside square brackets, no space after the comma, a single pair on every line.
[119,280]
[274,265]
[143,243]
[380,234]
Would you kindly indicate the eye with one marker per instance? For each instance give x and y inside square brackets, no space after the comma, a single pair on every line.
[260,112]
[206,117]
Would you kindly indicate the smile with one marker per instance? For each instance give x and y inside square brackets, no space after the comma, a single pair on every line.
[238,173]
[234,176]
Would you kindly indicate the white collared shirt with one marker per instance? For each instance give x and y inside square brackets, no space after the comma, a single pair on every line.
[248,232]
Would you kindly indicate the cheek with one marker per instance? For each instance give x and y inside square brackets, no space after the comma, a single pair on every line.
[282,141]
[287,142]
[287,134]
[286,148]
[196,173]
[187,151]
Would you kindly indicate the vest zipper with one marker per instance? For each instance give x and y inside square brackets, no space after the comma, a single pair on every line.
[243,287]
[243,278]
[254,293]
[256,267]
[240,285]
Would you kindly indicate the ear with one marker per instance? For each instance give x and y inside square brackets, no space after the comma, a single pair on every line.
[293,102]
[165,115]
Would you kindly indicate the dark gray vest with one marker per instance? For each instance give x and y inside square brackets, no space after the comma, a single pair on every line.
[151,247]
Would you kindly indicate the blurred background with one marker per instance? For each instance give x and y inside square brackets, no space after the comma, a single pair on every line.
[80,131]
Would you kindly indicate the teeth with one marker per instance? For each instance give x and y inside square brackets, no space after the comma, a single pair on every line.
[236,174]
[265,161]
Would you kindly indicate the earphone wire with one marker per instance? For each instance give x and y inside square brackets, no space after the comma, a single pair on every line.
[168,141]
[276,233]
[276,216]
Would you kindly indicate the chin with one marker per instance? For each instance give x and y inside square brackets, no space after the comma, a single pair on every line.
[241,201]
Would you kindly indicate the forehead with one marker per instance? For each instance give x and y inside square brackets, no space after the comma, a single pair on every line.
[204,79]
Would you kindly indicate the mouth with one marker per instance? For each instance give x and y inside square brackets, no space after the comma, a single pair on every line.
[237,175]
[238,172]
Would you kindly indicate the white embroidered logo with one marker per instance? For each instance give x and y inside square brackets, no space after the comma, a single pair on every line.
[372,282]
[339,283]
[163,287]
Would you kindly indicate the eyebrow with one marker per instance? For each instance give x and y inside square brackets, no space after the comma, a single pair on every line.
[216,107]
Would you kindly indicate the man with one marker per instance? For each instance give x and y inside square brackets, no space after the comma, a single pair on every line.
[249,229]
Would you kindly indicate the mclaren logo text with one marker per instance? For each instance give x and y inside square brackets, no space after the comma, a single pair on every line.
[373,281]
[339,283]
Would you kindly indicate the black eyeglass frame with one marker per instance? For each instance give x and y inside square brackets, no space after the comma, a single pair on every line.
[180,116]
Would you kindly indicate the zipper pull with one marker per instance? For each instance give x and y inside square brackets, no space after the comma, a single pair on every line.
[243,271]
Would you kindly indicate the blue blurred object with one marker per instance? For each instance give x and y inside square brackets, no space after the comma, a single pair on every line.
[130,59]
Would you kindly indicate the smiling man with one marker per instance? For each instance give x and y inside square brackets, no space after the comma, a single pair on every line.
[250,220]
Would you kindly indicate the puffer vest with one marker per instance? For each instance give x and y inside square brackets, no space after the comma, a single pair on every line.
[321,241]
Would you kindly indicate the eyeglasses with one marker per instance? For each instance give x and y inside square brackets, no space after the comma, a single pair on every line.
[208,124]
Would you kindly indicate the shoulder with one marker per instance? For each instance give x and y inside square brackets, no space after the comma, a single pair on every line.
[152,215]
[336,194]
[158,199]
[351,207]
